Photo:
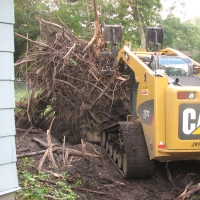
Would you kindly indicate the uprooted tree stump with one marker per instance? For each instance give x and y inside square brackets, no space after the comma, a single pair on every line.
[66,83]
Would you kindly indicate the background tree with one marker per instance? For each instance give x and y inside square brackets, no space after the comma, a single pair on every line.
[196,37]
[78,15]
[134,14]
[183,36]
[131,14]
[25,13]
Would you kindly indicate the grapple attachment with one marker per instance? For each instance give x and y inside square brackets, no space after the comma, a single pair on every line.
[154,35]
[112,35]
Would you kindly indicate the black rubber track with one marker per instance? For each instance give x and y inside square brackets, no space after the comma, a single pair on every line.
[138,163]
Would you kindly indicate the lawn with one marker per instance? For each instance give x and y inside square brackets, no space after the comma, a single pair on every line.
[20,91]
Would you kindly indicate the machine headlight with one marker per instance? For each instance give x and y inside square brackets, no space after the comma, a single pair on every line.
[191,95]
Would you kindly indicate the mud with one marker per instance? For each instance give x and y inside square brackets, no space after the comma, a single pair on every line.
[99,174]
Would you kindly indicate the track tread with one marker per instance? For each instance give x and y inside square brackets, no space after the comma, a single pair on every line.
[138,163]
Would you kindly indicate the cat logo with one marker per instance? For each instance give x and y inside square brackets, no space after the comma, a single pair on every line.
[189,118]
[189,121]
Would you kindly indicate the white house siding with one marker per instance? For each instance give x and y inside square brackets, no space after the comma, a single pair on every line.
[8,170]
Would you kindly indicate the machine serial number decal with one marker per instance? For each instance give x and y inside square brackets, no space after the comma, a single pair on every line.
[189,121]
[145,90]
[195,144]
[145,114]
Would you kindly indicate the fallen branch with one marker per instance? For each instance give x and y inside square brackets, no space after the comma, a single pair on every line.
[100,96]
[75,88]
[67,29]
[41,143]
[82,189]
[192,191]
[31,154]
[185,191]
[71,152]
[63,151]
[83,146]
[69,51]
[27,131]
[53,173]
[95,192]
[49,151]
[51,23]
[190,174]
[52,197]
[23,61]
[38,43]
[169,175]
[66,155]
[23,150]
[42,160]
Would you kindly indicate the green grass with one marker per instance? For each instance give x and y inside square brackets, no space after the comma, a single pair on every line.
[34,188]
[20,91]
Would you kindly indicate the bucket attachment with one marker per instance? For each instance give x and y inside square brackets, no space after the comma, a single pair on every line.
[112,35]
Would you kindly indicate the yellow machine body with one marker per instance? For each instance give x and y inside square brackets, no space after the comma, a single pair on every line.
[171,125]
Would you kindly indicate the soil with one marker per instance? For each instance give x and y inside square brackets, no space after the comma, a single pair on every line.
[100,175]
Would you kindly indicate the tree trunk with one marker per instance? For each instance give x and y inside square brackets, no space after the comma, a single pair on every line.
[137,18]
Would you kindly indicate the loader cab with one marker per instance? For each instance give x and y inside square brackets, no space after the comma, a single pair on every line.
[167,64]
[174,66]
